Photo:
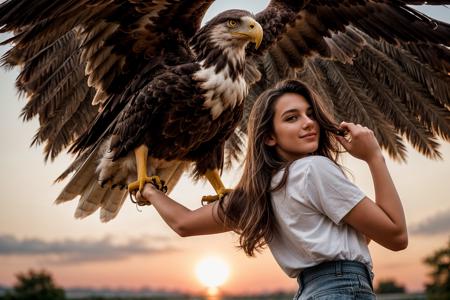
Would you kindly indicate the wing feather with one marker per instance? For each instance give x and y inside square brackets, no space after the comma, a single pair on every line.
[74,53]
[437,83]
[352,103]
[415,95]
[398,114]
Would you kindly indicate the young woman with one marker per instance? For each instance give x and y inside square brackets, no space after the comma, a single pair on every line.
[294,197]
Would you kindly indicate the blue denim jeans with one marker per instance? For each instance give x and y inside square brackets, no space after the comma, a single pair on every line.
[336,280]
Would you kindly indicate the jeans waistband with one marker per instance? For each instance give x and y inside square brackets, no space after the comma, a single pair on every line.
[337,268]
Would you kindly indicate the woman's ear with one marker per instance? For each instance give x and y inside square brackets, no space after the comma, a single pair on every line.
[270,141]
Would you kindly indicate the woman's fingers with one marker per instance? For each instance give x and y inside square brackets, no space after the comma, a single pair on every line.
[139,197]
[346,141]
[361,142]
[350,127]
[143,197]
[345,125]
[346,144]
[353,128]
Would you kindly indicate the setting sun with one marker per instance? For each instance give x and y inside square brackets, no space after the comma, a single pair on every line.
[212,272]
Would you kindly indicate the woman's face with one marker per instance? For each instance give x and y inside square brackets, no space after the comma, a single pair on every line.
[296,133]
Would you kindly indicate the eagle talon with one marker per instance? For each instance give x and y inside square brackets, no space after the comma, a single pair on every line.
[159,184]
[138,203]
[213,198]
[135,186]
[140,183]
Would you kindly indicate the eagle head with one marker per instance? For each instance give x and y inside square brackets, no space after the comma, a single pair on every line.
[219,47]
[232,29]
[235,28]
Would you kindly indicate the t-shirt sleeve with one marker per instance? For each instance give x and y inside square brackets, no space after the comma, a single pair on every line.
[328,190]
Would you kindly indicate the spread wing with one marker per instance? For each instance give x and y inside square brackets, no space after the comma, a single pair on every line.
[75,55]
[378,63]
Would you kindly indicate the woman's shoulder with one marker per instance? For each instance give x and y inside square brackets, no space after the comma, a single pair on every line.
[302,169]
[318,162]
[315,166]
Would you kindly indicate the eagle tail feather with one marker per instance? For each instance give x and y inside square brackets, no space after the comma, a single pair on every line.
[90,200]
[82,180]
[93,196]
[111,203]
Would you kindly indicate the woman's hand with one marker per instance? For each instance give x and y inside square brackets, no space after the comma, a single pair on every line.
[147,194]
[361,142]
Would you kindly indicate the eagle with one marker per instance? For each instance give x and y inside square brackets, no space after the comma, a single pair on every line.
[140,91]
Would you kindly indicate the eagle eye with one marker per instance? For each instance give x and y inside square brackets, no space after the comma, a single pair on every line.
[232,23]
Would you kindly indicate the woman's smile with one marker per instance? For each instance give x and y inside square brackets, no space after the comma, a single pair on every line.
[310,135]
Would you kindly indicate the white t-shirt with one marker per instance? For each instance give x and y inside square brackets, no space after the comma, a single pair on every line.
[309,210]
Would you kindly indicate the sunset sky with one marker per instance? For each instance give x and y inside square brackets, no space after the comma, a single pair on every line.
[137,249]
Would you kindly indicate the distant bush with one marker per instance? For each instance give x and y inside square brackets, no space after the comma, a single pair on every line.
[35,286]
[389,286]
[439,287]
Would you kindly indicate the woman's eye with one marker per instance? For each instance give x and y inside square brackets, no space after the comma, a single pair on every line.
[232,23]
[291,118]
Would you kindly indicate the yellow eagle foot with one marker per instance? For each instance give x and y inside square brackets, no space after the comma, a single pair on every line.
[222,193]
[139,184]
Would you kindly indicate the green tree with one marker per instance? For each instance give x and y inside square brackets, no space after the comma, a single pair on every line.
[35,286]
[439,287]
[389,286]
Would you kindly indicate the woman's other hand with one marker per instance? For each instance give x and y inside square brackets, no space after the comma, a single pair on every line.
[360,142]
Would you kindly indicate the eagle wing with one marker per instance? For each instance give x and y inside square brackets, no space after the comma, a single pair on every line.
[75,55]
[378,63]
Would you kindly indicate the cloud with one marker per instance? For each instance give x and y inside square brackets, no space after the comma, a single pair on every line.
[436,224]
[79,251]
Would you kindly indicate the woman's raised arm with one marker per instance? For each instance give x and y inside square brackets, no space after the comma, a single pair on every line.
[185,222]
[382,221]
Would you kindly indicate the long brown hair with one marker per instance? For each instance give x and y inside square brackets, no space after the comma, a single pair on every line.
[248,209]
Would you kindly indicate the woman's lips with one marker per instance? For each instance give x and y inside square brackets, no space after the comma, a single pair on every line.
[309,135]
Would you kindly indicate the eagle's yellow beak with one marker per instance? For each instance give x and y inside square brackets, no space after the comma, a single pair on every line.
[251,29]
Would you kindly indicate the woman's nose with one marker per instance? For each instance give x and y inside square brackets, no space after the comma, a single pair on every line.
[308,122]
